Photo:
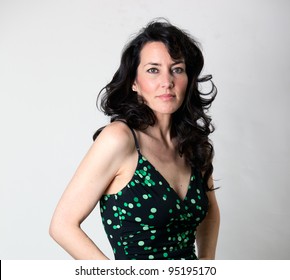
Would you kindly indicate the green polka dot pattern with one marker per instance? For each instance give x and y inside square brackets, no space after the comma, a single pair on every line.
[148,220]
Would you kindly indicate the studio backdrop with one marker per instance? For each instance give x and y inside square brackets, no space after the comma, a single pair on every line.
[55,56]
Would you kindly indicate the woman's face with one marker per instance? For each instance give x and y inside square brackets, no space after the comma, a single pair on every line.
[160,80]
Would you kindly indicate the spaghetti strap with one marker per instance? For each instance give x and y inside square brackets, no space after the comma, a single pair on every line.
[134,135]
[135,139]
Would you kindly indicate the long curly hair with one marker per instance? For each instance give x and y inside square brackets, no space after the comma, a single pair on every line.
[191,125]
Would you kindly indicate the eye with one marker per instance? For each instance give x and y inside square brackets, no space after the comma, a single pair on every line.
[178,70]
[152,70]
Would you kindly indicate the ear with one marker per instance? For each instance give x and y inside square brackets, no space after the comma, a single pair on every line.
[134,86]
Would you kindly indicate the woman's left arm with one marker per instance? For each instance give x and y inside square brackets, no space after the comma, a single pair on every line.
[207,231]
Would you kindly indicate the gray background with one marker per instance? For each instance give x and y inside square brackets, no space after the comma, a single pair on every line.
[56,55]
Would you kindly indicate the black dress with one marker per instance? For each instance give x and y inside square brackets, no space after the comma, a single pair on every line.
[148,220]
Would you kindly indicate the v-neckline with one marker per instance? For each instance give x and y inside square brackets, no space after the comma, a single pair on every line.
[140,155]
[167,183]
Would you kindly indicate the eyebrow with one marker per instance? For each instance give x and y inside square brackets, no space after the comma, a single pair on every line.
[159,64]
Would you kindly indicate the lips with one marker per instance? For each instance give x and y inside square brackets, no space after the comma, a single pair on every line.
[166,96]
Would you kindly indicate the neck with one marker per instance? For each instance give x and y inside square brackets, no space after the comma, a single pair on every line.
[162,128]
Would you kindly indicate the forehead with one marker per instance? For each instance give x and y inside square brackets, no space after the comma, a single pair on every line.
[157,52]
[154,50]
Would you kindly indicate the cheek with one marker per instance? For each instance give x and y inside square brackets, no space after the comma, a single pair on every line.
[145,86]
[183,84]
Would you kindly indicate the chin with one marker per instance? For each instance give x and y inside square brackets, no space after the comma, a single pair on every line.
[166,112]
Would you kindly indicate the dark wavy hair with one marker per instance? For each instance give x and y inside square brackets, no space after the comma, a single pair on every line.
[191,125]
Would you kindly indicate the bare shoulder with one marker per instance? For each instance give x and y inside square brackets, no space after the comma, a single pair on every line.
[113,147]
[116,136]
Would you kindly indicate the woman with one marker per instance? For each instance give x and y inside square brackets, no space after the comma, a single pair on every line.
[151,167]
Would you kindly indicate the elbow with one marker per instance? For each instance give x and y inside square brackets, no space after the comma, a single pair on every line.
[60,229]
[56,230]
[53,230]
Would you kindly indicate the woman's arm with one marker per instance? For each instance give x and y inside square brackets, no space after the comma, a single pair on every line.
[94,174]
[207,231]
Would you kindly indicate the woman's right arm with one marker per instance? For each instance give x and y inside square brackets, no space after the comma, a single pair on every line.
[94,174]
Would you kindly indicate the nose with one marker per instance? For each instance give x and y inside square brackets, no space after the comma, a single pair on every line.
[167,81]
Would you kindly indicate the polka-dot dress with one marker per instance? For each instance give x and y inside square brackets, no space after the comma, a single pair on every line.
[147,220]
